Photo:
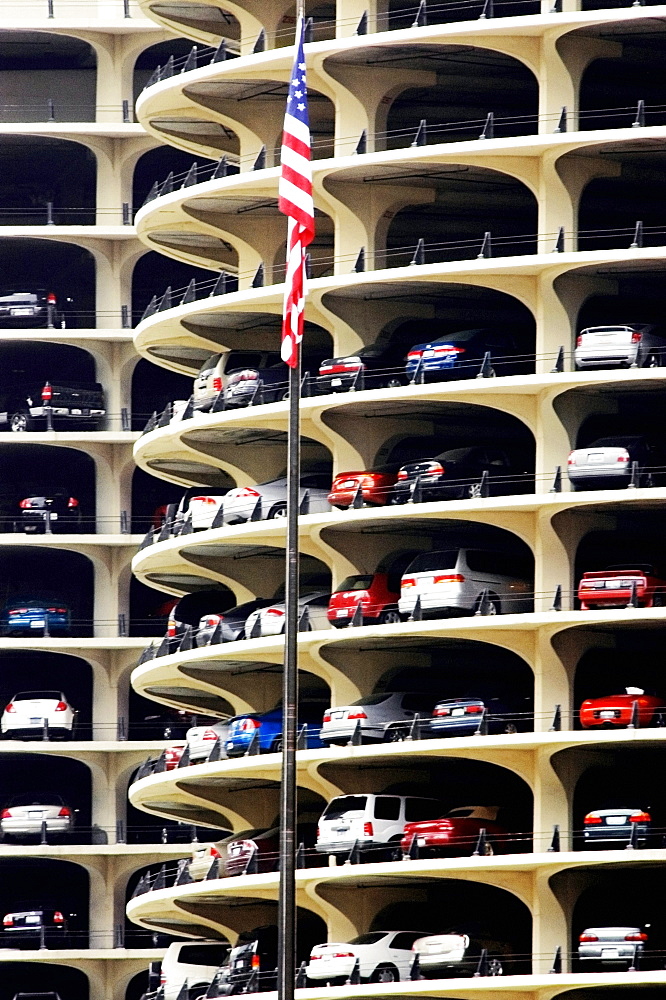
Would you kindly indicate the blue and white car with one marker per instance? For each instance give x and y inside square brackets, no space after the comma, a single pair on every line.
[35,617]
[268,728]
[460,354]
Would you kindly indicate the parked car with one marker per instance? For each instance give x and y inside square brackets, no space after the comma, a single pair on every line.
[23,816]
[191,963]
[200,507]
[22,308]
[454,954]
[607,462]
[36,996]
[376,486]
[614,711]
[35,714]
[457,473]
[73,404]
[210,379]
[613,587]
[457,833]
[374,367]
[462,716]
[255,953]
[263,846]
[202,739]
[372,821]
[453,581]
[188,611]
[24,928]
[268,500]
[172,756]
[268,728]
[460,355]
[621,346]
[231,623]
[383,957]
[380,717]
[34,615]
[378,600]
[271,620]
[203,857]
[614,827]
[62,511]
[252,386]
[611,945]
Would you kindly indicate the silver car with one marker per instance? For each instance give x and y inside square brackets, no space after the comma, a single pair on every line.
[453,581]
[271,620]
[612,945]
[380,716]
[201,740]
[607,462]
[24,815]
[622,346]
[268,500]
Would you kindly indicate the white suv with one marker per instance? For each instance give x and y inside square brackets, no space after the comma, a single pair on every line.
[191,964]
[453,581]
[371,821]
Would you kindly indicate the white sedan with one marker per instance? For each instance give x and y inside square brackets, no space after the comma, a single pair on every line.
[202,739]
[24,815]
[33,714]
[271,620]
[383,957]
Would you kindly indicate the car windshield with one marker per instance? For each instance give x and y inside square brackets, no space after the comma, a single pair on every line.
[455,455]
[345,804]
[434,561]
[37,799]
[618,441]
[458,337]
[32,695]
[354,583]
[369,938]
[631,568]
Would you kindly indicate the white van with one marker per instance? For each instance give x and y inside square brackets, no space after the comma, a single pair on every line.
[372,821]
[452,581]
[191,963]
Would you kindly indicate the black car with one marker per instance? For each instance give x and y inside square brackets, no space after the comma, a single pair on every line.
[189,611]
[36,996]
[27,928]
[30,308]
[458,473]
[56,508]
[255,954]
[231,623]
[370,368]
[252,386]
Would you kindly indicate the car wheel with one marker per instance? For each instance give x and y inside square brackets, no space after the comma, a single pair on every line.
[659,599]
[194,992]
[277,510]
[495,967]
[393,383]
[396,734]
[21,421]
[653,360]
[385,974]
[474,491]
[276,745]
[493,606]
[391,616]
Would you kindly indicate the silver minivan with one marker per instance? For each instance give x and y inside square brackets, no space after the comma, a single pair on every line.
[453,581]
[370,821]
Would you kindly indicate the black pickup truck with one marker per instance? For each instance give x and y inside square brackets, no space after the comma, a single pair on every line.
[24,406]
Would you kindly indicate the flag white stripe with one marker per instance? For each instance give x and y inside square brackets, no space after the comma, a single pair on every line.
[298,129]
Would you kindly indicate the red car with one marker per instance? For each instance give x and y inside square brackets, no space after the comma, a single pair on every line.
[376,488]
[266,847]
[378,602]
[457,833]
[172,756]
[613,587]
[614,711]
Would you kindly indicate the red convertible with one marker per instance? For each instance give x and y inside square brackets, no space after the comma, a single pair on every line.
[615,710]
[376,487]
[613,588]
[456,833]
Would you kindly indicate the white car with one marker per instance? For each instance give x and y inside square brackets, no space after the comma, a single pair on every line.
[453,581]
[621,346]
[28,713]
[240,503]
[611,944]
[270,620]
[192,964]
[202,859]
[451,955]
[24,815]
[201,740]
[371,821]
[210,380]
[383,957]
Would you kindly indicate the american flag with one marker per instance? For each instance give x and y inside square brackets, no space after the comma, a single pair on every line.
[295,200]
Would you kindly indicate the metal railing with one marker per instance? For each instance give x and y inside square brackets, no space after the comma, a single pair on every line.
[64,111]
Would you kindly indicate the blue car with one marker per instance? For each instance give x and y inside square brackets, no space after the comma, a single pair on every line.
[268,726]
[462,717]
[35,617]
[460,355]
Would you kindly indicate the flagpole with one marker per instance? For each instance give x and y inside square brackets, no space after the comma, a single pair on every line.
[287,890]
